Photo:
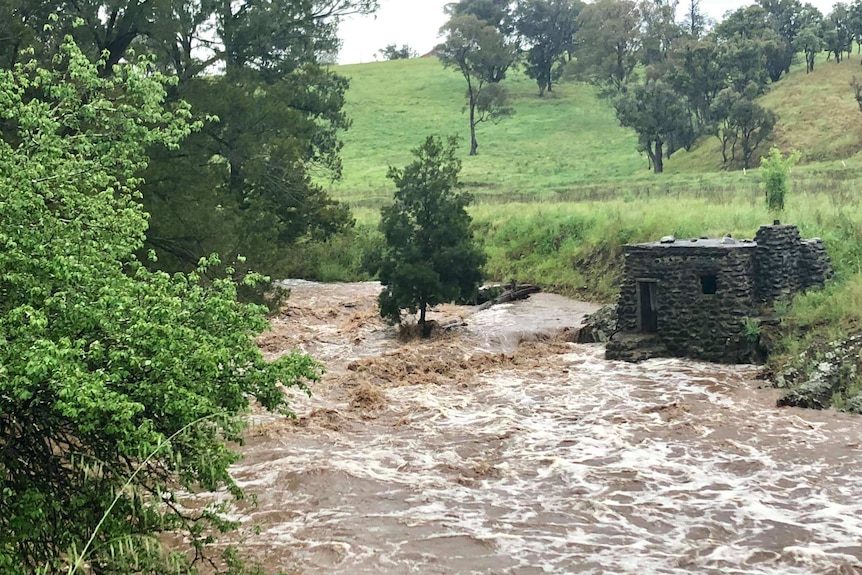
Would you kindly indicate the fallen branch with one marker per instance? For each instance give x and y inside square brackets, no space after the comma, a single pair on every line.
[514,293]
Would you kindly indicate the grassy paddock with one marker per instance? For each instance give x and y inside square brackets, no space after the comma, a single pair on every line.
[568,146]
[568,138]
[576,247]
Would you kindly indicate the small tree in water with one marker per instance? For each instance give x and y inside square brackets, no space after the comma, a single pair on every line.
[774,174]
[430,255]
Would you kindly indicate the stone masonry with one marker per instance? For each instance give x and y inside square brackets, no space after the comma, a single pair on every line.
[703,298]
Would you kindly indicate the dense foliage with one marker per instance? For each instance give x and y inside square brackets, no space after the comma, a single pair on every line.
[248,182]
[393,52]
[775,178]
[547,28]
[430,256]
[658,116]
[609,38]
[118,386]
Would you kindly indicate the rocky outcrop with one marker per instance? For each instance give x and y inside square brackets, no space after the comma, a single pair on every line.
[824,376]
[598,327]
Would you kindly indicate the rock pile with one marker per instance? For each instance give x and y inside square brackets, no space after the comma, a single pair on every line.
[599,326]
[825,376]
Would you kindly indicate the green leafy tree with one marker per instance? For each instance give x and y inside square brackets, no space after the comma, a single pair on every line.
[393,52]
[243,185]
[744,60]
[755,50]
[755,124]
[430,255]
[723,127]
[838,33]
[659,116]
[659,32]
[787,18]
[741,125]
[609,41]
[775,178]
[696,71]
[482,55]
[21,31]
[251,182]
[496,13]
[810,42]
[547,27]
[695,23]
[119,387]
[855,22]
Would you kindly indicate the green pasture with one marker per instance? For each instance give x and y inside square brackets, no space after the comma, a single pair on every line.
[568,146]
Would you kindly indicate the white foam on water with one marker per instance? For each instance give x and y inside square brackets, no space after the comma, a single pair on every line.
[587,466]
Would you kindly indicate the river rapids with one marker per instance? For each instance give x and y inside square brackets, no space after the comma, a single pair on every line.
[500,448]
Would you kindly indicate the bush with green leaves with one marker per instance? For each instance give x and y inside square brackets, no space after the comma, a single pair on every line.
[775,178]
[119,387]
[430,256]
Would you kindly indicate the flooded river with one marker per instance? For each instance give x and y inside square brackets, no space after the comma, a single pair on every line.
[499,448]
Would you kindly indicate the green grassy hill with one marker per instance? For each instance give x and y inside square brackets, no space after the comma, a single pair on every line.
[566,139]
[569,145]
[817,116]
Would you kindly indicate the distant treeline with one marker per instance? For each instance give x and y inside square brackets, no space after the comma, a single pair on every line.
[673,73]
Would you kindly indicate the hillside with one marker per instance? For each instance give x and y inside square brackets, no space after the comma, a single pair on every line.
[568,138]
[817,116]
[568,145]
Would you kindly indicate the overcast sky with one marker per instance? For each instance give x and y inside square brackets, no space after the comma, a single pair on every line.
[416,22]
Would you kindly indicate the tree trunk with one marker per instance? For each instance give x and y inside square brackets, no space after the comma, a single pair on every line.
[747,151]
[658,158]
[116,50]
[474,145]
[422,327]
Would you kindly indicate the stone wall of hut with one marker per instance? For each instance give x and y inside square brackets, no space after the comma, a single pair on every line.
[747,278]
[787,264]
[692,323]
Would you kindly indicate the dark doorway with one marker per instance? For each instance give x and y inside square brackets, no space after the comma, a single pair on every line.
[648,307]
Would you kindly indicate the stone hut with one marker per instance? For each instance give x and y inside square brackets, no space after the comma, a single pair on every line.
[705,298]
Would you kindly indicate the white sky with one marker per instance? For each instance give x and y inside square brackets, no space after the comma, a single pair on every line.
[416,22]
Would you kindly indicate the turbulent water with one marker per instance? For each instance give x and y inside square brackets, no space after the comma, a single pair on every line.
[473,454]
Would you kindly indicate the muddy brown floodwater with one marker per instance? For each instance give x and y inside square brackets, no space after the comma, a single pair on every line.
[501,448]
